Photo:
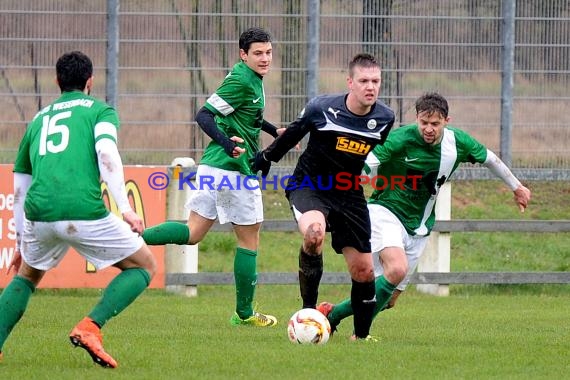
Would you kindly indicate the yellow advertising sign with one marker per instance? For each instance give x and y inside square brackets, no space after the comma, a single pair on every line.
[74,271]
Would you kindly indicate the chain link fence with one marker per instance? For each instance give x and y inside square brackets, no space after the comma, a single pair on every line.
[173,53]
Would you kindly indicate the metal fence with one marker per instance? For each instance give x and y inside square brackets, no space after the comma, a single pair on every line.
[173,53]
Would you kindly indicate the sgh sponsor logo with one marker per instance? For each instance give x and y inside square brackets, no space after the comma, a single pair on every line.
[352,146]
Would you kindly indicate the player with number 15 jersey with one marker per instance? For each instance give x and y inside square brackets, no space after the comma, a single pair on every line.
[69,187]
[67,149]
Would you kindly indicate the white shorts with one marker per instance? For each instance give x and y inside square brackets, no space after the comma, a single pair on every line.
[228,195]
[388,231]
[103,242]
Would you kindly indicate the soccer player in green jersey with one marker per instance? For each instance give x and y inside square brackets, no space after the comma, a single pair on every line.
[426,154]
[233,118]
[68,146]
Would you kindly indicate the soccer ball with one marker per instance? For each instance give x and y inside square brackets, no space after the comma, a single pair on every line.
[308,326]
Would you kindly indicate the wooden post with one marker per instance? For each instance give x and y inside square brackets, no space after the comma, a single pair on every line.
[180,258]
[436,257]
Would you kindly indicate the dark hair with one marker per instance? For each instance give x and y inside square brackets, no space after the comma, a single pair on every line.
[73,69]
[362,60]
[432,102]
[252,35]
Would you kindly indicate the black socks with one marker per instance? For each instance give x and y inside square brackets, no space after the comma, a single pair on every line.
[310,273]
[363,300]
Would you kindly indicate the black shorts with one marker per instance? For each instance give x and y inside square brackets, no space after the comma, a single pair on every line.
[346,214]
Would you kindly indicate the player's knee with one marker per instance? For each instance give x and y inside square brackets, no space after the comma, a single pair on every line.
[194,241]
[313,239]
[151,269]
[401,274]
[195,237]
[362,273]
[149,264]
[396,273]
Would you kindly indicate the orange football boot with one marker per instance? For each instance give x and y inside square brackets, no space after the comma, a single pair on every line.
[87,335]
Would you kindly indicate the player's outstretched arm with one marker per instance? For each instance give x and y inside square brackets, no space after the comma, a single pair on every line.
[498,167]
[270,129]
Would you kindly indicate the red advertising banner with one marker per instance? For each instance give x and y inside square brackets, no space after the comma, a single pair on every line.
[74,271]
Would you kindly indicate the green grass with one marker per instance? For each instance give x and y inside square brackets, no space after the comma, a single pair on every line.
[478,332]
[171,337]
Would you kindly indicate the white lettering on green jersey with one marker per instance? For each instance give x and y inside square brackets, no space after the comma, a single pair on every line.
[58,150]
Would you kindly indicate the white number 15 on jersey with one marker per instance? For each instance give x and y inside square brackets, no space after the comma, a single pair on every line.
[50,127]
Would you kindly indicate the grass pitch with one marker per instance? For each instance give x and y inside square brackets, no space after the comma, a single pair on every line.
[478,332]
[162,336]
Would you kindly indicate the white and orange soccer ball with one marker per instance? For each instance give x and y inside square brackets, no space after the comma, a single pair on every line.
[309,326]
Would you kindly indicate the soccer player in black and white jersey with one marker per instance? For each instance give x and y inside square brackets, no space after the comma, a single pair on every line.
[324,191]
[403,216]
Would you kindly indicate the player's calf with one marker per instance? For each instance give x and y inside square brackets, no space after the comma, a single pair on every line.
[310,273]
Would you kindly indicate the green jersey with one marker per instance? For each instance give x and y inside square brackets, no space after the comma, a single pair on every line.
[411,172]
[238,105]
[58,150]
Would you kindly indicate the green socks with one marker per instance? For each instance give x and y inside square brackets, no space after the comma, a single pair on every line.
[119,294]
[13,304]
[245,273]
[384,291]
[167,233]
